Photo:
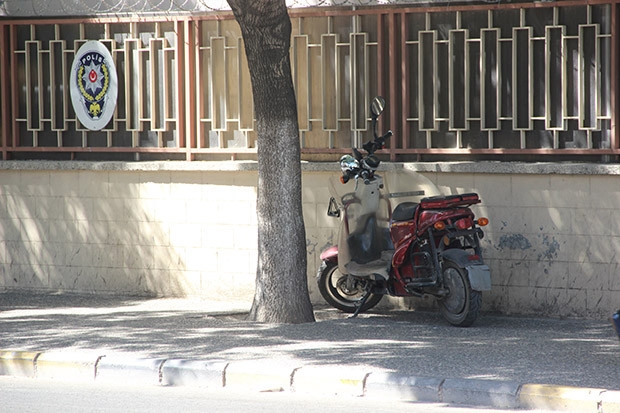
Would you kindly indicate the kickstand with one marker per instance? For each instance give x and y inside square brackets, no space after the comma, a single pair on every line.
[359,304]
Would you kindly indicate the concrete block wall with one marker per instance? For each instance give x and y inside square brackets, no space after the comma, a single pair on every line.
[553,243]
[189,229]
[134,230]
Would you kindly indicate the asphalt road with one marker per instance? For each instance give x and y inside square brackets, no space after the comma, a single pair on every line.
[43,396]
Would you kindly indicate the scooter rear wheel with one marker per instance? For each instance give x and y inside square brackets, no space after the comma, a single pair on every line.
[462,305]
[341,294]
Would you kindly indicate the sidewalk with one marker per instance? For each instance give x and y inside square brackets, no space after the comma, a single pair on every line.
[501,361]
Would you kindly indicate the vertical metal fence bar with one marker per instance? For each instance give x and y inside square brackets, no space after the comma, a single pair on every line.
[246,100]
[179,96]
[218,83]
[457,43]
[615,70]
[329,56]
[353,79]
[171,90]
[381,88]
[426,81]
[301,71]
[67,57]
[111,127]
[43,86]
[588,76]
[202,84]
[131,118]
[5,65]
[489,95]
[140,80]
[156,118]
[405,129]
[359,81]
[57,98]
[15,141]
[188,45]
[78,126]
[521,78]
[393,81]
[32,108]
[554,77]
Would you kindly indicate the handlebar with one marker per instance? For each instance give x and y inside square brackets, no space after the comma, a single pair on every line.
[376,144]
[358,165]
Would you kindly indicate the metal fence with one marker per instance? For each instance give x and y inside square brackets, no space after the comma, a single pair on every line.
[505,81]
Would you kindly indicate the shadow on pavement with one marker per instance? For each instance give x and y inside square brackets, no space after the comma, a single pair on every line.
[567,352]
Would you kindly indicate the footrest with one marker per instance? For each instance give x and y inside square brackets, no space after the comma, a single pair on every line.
[377,267]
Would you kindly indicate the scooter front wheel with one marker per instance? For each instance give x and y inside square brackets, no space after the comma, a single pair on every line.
[462,304]
[341,292]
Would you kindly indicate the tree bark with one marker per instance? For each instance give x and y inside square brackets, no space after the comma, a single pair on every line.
[281,281]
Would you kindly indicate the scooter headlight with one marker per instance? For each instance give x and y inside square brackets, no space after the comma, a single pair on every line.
[348,164]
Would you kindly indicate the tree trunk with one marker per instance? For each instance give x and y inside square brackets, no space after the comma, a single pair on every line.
[281,281]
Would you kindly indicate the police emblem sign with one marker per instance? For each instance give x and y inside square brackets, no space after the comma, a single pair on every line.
[94,85]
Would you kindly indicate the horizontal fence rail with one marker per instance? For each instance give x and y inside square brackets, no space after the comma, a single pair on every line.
[508,80]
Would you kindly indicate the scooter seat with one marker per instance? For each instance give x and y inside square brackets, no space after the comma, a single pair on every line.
[404,211]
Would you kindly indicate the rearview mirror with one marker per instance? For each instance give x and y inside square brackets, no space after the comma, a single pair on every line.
[377,105]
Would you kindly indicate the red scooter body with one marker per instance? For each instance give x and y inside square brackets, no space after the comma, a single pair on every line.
[405,233]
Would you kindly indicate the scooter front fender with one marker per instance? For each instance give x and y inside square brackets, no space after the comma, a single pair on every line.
[479,274]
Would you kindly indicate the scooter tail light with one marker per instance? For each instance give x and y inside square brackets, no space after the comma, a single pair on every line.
[439,225]
[463,223]
[483,222]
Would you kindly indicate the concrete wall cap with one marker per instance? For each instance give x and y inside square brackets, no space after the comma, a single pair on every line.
[485,167]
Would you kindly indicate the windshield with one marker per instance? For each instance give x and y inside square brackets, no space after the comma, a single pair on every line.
[363,238]
[365,214]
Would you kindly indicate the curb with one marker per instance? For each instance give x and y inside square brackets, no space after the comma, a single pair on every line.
[395,386]
[330,379]
[267,375]
[567,398]
[18,363]
[194,373]
[259,375]
[124,369]
[500,394]
[66,365]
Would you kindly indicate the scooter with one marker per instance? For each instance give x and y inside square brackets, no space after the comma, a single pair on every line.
[417,249]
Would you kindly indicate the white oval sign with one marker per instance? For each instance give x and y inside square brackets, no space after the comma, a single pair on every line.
[93,85]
